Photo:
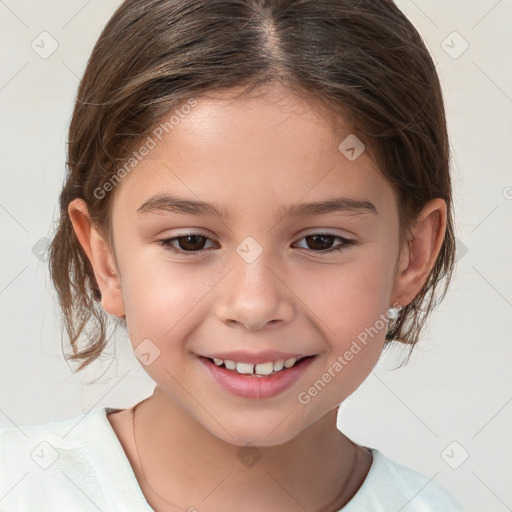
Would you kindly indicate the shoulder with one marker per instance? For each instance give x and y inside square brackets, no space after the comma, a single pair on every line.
[37,462]
[390,486]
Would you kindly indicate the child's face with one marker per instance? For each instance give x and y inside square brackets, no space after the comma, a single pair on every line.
[252,158]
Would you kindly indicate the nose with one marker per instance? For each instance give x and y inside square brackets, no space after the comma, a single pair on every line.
[253,295]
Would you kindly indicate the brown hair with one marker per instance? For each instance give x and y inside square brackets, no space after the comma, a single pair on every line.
[361,58]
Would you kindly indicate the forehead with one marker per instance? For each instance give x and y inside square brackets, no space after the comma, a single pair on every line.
[272,145]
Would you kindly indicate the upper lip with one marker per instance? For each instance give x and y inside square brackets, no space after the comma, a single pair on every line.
[243,356]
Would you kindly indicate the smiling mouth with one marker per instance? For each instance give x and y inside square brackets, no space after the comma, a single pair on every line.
[258,370]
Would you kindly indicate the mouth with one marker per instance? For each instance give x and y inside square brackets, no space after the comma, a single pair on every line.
[260,370]
[245,380]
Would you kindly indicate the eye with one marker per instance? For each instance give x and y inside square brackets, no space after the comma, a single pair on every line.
[316,242]
[322,242]
[190,242]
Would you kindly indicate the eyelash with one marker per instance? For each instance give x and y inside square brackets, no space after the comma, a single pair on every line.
[347,243]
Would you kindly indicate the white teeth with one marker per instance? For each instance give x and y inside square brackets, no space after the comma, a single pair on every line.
[264,368]
[259,369]
[244,368]
[290,362]
[230,365]
[278,365]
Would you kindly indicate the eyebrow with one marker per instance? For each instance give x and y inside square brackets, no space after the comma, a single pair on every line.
[174,204]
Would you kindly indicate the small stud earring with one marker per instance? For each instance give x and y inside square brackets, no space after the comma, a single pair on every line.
[392,313]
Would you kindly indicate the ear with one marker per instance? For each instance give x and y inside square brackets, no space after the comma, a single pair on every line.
[419,252]
[100,256]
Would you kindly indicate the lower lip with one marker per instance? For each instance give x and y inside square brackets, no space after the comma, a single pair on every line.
[248,386]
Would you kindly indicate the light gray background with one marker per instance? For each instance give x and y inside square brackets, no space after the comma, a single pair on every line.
[458,384]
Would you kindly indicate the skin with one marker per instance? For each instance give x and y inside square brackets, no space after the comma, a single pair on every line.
[253,155]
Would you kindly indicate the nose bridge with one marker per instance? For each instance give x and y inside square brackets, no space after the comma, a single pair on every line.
[253,295]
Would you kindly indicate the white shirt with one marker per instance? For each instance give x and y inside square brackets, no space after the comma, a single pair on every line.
[79,464]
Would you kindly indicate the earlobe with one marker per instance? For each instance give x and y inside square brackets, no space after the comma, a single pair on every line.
[100,255]
[420,252]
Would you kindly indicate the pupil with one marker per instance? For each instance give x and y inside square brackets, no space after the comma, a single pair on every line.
[323,240]
[192,242]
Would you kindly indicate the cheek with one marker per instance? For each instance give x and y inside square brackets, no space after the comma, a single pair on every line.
[348,303]
[161,297]
[163,308]
[348,297]
[351,315]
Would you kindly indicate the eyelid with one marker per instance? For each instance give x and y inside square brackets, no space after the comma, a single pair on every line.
[346,242]
[324,231]
[167,243]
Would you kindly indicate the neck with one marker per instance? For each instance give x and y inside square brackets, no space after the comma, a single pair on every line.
[313,471]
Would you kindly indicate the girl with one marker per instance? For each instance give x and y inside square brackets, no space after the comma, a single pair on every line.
[259,192]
